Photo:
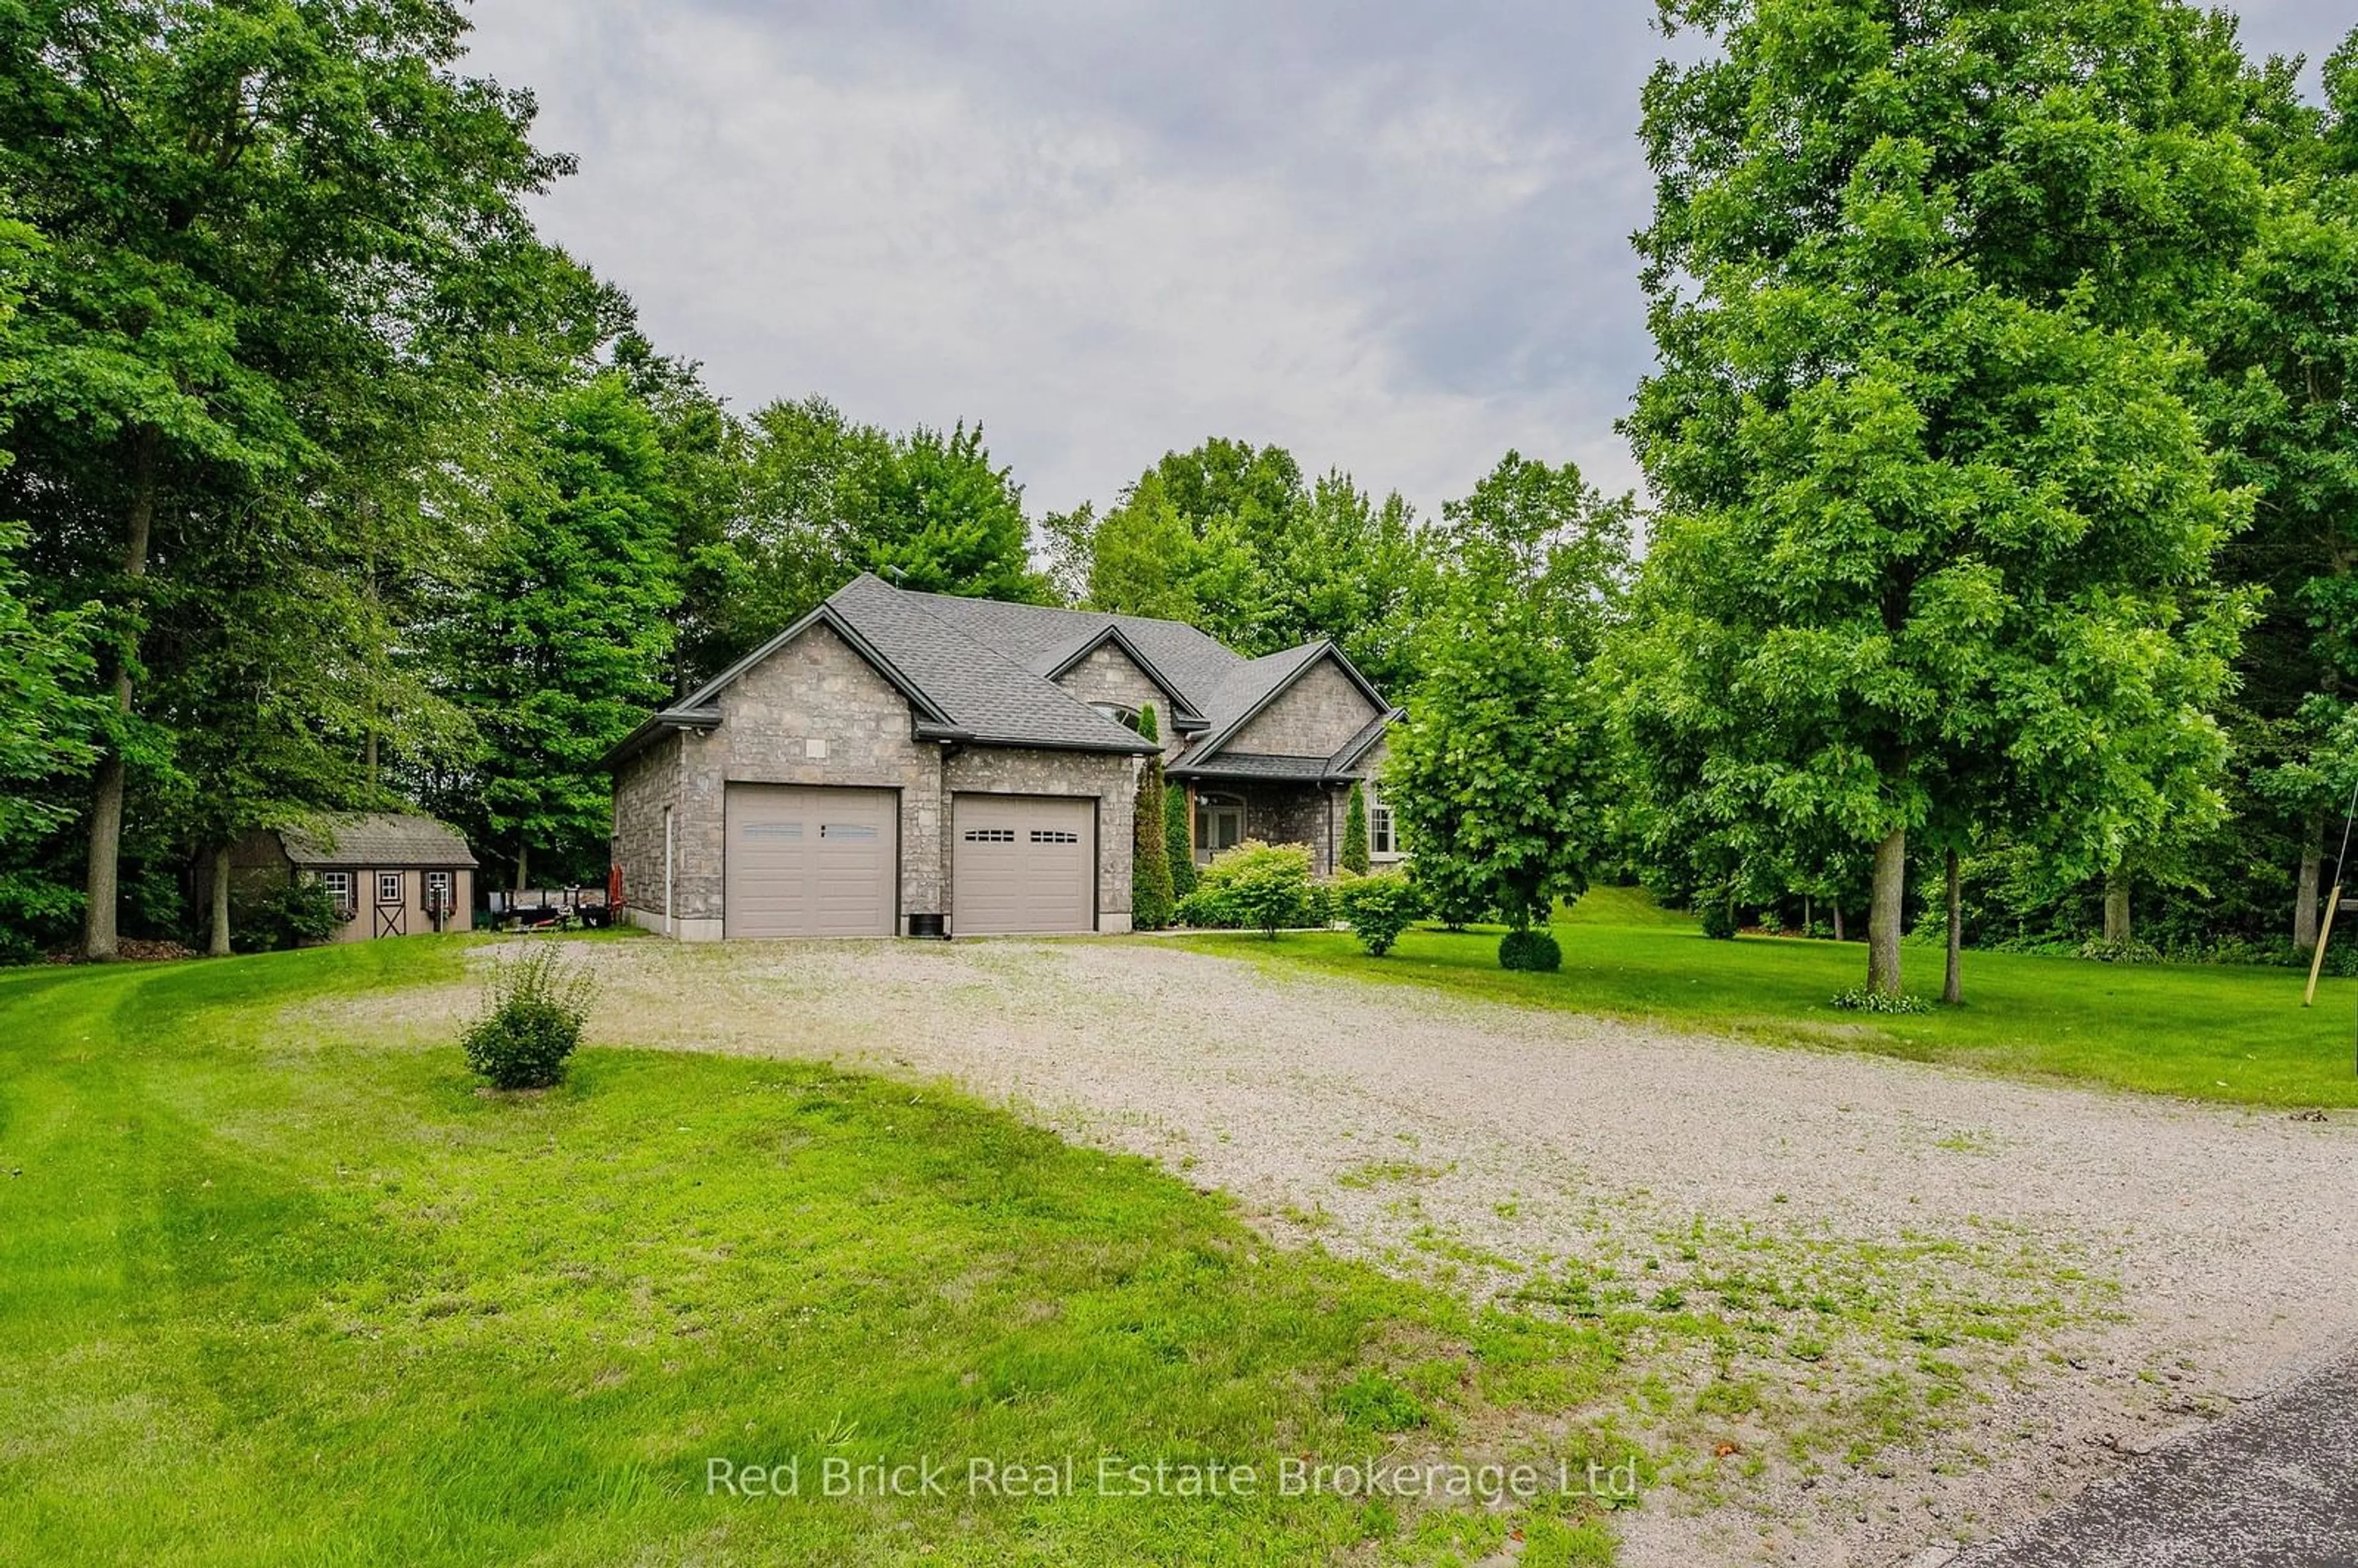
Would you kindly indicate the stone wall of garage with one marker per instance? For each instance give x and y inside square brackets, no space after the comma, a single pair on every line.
[1316,716]
[813,712]
[643,786]
[1111,778]
[1109,675]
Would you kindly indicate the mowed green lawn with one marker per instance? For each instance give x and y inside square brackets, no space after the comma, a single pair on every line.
[2209,1032]
[274,1291]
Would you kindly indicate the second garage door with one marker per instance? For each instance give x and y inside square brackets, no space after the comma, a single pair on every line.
[1022,862]
[810,862]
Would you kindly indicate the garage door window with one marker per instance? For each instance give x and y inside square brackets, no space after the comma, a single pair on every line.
[990,835]
[1052,835]
[846,830]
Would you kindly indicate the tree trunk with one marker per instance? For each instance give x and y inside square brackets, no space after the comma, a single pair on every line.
[1953,989]
[2304,904]
[219,946]
[524,851]
[1838,930]
[2116,905]
[101,887]
[1883,913]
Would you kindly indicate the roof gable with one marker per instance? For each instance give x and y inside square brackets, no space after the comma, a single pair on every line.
[1262,683]
[1183,713]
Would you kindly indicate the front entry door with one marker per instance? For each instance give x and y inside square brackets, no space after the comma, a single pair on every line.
[1220,825]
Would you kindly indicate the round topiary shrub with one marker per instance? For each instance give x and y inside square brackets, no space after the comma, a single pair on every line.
[533,1008]
[1530,949]
[1719,921]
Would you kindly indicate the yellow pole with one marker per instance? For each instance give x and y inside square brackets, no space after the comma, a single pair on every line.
[2324,929]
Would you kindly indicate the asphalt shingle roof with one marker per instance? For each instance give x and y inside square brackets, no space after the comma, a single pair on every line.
[1039,637]
[984,666]
[372,838]
[983,691]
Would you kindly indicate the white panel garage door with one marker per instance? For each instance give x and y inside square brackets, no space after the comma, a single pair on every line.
[810,862]
[1022,862]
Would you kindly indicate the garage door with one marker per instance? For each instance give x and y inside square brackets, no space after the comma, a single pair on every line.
[810,862]
[1022,862]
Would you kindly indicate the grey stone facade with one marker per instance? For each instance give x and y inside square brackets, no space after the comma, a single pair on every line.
[1107,676]
[1316,716]
[816,712]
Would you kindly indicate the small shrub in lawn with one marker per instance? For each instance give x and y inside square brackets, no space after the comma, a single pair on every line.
[1718,920]
[533,1008]
[1531,950]
[2128,950]
[1861,1000]
[1379,908]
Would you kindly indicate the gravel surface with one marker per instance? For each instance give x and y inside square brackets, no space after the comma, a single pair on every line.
[1486,1144]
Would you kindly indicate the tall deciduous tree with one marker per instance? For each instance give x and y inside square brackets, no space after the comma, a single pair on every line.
[1937,528]
[249,212]
[1501,775]
[818,498]
[45,719]
[566,641]
[2284,350]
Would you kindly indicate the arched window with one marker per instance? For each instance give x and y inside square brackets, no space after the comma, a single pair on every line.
[1126,716]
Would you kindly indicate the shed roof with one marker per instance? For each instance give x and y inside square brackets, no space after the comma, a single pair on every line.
[374,838]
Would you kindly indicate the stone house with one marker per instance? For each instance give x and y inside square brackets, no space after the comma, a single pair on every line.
[391,874]
[919,763]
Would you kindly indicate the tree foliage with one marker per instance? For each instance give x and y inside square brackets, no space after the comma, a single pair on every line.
[565,643]
[1937,520]
[1501,775]
[1354,829]
[1151,897]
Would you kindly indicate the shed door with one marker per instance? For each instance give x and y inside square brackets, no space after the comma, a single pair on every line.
[810,862]
[1022,862]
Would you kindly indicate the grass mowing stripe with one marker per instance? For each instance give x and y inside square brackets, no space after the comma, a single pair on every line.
[273,1296]
[2204,1032]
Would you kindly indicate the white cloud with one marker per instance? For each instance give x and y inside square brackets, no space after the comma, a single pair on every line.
[1391,240]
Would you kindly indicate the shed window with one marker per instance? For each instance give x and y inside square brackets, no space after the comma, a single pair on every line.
[388,887]
[340,888]
[437,890]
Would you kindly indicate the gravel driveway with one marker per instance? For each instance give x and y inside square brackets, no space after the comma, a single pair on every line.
[2164,1260]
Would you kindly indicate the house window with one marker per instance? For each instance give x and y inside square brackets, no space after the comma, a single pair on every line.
[388,887]
[1219,824]
[1384,838]
[340,888]
[1126,716]
[437,890]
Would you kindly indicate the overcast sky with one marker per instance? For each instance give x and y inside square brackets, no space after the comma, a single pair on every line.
[1391,238]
